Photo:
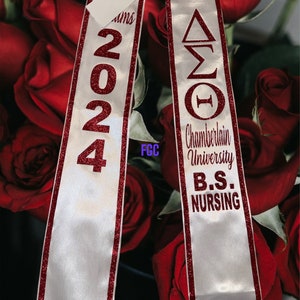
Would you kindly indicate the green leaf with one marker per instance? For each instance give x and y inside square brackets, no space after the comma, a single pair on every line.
[12,11]
[272,220]
[165,98]
[138,130]
[140,86]
[172,206]
[288,297]
[146,164]
[255,14]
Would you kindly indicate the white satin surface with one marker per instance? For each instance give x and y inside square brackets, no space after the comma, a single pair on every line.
[221,260]
[83,233]
[104,11]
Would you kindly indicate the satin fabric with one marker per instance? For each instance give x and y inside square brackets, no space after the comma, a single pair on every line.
[220,255]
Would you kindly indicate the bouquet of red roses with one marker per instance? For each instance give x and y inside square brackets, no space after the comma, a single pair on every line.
[39,41]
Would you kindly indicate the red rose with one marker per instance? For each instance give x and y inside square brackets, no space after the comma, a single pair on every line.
[138,207]
[169,258]
[58,22]
[42,92]
[3,125]
[27,168]
[260,155]
[158,54]
[168,154]
[233,10]
[170,271]
[267,267]
[287,256]
[278,105]
[13,55]
[151,7]
[269,178]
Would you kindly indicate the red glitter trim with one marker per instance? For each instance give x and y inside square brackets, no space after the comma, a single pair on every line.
[123,158]
[188,242]
[48,234]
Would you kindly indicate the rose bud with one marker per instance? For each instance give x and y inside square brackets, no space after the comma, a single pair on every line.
[269,177]
[233,10]
[278,103]
[42,91]
[13,55]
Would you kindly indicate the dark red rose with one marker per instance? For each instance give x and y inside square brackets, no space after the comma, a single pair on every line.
[278,105]
[267,267]
[13,55]
[170,270]
[269,177]
[138,208]
[287,255]
[27,168]
[169,258]
[3,125]
[151,7]
[58,22]
[168,154]
[260,155]
[158,54]
[233,10]
[42,91]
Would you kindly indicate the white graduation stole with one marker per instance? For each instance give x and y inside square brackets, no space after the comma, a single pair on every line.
[220,255]
[82,241]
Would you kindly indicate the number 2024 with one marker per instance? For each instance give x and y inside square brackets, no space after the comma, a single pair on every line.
[93,124]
